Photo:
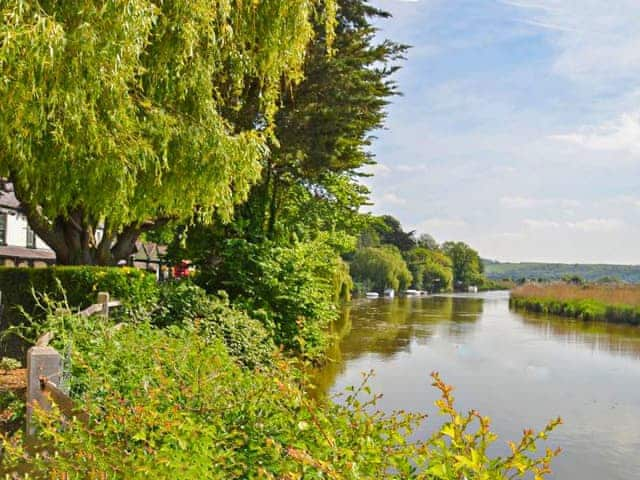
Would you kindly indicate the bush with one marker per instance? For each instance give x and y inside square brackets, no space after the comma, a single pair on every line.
[170,403]
[291,289]
[137,290]
[186,304]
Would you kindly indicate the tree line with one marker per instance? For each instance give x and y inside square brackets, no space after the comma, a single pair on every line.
[389,257]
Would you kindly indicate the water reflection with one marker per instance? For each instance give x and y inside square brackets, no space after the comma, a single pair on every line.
[519,369]
[598,337]
[388,327]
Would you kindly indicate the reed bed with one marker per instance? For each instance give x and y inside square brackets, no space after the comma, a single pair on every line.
[611,303]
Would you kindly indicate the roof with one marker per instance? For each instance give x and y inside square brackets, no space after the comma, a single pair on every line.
[27,253]
[149,250]
[7,196]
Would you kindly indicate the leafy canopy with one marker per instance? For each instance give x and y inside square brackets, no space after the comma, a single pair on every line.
[380,267]
[114,107]
[467,266]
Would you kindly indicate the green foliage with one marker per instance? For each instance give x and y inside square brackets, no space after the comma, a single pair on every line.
[170,403]
[187,305]
[23,288]
[588,310]
[431,269]
[118,112]
[135,288]
[323,130]
[290,288]
[7,363]
[467,266]
[427,241]
[459,450]
[12,413]
[390,232]
[378,268]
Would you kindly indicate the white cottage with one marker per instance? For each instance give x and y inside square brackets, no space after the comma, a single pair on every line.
[19,245]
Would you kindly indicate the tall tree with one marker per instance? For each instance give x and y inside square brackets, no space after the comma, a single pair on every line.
[427,241]
[323,128]
[378,268]
[114,114]
[467,266]
[391,232]
[431,269]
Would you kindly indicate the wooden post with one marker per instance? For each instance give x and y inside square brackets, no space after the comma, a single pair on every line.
[103,299]
[42,362]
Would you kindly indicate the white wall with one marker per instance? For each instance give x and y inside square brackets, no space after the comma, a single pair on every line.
[17,232]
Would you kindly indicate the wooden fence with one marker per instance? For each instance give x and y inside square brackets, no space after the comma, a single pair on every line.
[44,372]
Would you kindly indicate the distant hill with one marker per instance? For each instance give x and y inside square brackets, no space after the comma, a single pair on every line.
[556,271]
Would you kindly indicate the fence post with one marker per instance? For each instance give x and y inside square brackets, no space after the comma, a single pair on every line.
[41,362]
[103,299]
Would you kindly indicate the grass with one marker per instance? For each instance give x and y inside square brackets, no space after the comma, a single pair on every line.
[611,303]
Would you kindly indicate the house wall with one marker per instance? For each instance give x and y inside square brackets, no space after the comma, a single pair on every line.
[17,232]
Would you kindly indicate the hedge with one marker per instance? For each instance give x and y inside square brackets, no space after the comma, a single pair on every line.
[136,289]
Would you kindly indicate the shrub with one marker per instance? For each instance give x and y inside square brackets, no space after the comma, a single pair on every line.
[171,404]
[291,289]
[137,290]
[186,304]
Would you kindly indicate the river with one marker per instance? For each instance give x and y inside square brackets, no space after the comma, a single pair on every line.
[519,369]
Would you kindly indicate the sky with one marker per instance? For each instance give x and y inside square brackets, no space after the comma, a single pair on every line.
[518,130]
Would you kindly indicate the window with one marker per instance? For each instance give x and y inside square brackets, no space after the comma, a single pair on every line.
[3,228]
[31,238]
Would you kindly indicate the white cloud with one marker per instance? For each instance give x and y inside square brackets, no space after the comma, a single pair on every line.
[442,228]
[589,225]
[626,200]
[596,40]
[507,236]
[517,202]
[622,134]
[377,169]
[540,224]
[593,225]
[546,25]
[392,198]
[412,168]
[442,222]
[521,202]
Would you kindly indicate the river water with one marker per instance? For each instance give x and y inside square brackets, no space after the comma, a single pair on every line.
[517,368]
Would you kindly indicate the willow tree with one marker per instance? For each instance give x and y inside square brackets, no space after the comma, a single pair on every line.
[112,112]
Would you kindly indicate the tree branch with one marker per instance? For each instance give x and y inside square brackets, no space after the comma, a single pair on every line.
[126,243]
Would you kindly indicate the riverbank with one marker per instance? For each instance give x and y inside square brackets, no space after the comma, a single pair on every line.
[608,303]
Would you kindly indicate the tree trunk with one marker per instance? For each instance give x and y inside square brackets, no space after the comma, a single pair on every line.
[75,244]
[74,240]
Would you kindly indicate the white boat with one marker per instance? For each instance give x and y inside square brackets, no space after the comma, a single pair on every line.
[372,294]
[412,293]
[389,292]
[473,289]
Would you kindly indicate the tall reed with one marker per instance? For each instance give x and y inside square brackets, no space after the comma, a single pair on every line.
[612,303]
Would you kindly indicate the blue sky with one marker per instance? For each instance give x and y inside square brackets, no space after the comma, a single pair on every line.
[519,128]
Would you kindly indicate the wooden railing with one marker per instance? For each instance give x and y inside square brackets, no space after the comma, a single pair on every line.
[44,372]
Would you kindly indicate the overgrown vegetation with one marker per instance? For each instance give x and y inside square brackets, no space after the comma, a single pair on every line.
[24,289]
[172,403]
[611,303]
